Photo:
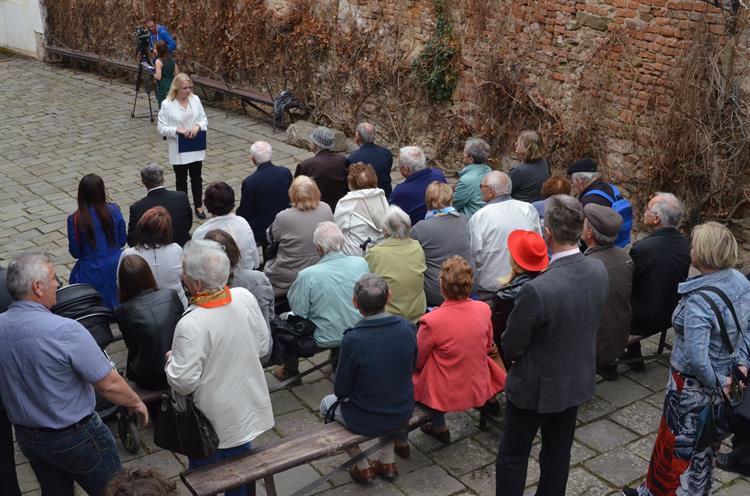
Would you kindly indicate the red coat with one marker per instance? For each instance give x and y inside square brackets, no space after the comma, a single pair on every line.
[454,372]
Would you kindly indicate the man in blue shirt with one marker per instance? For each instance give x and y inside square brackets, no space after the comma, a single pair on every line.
[368,152]
[159,32]
[49,368]
[409,195]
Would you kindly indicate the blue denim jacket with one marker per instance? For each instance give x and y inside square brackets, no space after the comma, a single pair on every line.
[698,348]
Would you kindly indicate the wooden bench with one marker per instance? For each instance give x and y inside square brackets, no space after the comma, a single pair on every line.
[266,461]
[91,57]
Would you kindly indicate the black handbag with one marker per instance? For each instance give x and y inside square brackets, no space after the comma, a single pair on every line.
[293,337]
[273,246]
[734,412]
[182,428]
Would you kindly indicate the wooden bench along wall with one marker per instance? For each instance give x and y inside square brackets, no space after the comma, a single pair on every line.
[265,461]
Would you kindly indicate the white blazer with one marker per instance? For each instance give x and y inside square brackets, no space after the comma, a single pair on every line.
[173,116]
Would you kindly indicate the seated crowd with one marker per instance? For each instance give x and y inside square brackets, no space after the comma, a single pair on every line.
[424,292]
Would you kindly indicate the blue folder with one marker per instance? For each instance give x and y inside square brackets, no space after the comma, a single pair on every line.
[198,143]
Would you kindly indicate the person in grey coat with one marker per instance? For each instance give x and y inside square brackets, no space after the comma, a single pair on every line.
[600,229]
[442,234]
[551,341]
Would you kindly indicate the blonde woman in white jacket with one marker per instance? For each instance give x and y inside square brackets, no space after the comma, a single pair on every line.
[359,214]
[182,113]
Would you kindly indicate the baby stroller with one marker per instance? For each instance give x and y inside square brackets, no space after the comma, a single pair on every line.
[83,303]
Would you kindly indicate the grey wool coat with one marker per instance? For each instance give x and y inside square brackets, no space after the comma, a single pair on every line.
[551,336]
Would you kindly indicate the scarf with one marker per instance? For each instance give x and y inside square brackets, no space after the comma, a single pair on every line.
[443,211]
[212,299]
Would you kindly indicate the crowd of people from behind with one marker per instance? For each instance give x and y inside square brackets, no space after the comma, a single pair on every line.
[446,295]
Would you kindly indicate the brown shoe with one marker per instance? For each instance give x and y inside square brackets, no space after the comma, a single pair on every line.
[402,450]
[363,476]
[443,436]
[386,470]
[282,374]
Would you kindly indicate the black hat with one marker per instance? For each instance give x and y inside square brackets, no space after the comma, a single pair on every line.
[583,165]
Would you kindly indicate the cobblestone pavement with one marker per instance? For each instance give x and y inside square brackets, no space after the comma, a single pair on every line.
[58,125]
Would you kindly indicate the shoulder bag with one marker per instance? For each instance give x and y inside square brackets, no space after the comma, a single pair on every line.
[182,428]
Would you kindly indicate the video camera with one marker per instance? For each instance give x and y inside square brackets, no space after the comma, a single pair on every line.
[142,39]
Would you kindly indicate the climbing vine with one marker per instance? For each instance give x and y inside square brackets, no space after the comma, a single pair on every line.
[436,65]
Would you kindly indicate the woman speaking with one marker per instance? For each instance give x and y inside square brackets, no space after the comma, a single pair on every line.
[182,114]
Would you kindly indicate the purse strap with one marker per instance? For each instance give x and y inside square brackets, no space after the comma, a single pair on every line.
[721,294]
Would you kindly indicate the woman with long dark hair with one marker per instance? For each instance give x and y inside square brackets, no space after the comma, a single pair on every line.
[96,235]
[147,317]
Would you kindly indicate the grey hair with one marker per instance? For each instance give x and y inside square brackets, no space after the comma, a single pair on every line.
[585,176]
[206,261]
[152,175]
[396,224]
[669,209]
[24,271]
[261,152]
[412,157]
[499,182]
[602,239]
[327,236]
[371,294]
[477,149]
[366,132]
[563,216]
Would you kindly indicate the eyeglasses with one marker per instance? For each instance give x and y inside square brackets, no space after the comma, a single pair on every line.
[483,186]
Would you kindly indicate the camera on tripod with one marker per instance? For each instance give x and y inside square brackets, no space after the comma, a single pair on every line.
[142,39]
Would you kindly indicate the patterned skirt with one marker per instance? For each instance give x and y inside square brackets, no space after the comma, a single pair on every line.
[676,469]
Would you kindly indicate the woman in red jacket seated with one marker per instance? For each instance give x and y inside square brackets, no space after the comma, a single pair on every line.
[454,372]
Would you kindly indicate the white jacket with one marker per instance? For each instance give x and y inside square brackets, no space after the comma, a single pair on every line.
[359,215]
[238,228]
[216,357]
[173,116]
[489,228]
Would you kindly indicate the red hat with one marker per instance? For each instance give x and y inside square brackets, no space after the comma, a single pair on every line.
[528,250]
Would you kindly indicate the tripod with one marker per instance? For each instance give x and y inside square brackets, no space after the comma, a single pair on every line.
[144,60]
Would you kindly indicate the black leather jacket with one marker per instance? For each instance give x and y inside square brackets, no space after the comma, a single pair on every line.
[147,322]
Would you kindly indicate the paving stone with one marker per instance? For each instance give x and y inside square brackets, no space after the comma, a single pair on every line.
[640,417]
[621,392]
[163,461]
[603,435]
[739,488]
[619,467]
[655,377]
[579,453]
[378,487]
[462,457]
[643,447]
[310,394]
[481,481]
[584,483]
[284,402]
[430,481]
[594,408]
[296,422]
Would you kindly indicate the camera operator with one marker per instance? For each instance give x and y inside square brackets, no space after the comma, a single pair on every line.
[158,32]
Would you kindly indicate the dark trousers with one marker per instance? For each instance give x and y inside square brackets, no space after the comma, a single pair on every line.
[84,453]
[8,479]
[196,181]
[291,364]
[515,447]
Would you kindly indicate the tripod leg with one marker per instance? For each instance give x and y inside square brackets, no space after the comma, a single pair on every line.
[150,113]
[137,89]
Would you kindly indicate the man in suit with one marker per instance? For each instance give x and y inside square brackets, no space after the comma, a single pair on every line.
[661,261]
[550,340]
[176,203]
[265,192]
[326,168]
[409,195]
[368,152]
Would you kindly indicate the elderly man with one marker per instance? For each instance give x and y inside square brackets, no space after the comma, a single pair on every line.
[378,355]
[176,203]
[551,341]
[328,169]
[661,261]
[409,195]
[600,229]
[400,261]
[49,369]
[216,353]
[323,294]
[368,152]
[490,227]
[265,192]
[8,478]
[467,197]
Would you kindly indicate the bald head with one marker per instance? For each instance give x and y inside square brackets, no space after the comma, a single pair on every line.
[495,184]
[365,133]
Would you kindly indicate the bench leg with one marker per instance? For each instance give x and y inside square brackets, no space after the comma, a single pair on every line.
[270,485]
[662,342]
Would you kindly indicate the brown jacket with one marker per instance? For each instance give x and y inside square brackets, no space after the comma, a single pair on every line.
[614,329]
[329,171]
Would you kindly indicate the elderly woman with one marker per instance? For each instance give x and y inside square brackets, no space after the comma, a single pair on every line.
[530,174]
[155,246]
[220,203]
[360,213]
[181,114]
[292,231]
[147,317]
[468,197]
[400,261]
[700,363]
[454,341]
[442,234]
[216,354]
[555,185]
[254,281]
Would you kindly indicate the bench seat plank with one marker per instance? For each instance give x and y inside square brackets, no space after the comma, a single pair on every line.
[290,452]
